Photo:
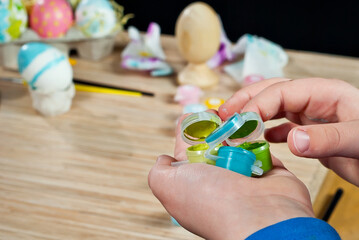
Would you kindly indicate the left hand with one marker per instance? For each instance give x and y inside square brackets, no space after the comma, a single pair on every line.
[216,203]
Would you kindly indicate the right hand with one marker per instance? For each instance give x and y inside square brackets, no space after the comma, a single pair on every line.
[323,114]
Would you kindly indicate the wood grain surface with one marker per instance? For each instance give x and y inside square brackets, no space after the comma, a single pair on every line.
[83,175]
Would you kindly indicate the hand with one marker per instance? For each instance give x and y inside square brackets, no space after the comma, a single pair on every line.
[216,203]
[328,108]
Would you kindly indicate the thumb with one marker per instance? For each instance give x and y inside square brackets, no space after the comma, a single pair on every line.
[325,140]
[160,173]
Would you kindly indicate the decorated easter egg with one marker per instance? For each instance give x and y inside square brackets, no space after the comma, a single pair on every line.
[51,18]
[44,67]
[96,18]
[13,19]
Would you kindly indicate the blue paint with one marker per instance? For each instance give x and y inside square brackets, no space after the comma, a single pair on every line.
[98,4]
[51,64]
[161,72]
[174,221]
[28,53]
[250,38]
[236,159]
[4,23]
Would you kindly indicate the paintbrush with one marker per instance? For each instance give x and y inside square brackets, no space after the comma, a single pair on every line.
[84,86]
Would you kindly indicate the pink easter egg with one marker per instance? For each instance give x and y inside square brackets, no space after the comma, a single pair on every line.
[51,18]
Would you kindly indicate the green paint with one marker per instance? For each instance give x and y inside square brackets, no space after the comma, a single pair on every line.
[200,130]
[246,129]
[199,147]
[15,24]
[261,150]
[250,146]
[195,153]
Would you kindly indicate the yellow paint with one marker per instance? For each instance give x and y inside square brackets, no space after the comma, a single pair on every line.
[56,23]
[35,20]
[47,15]
[264,53]
[72,61]
[214,102]
[49,34]
[52,3]
[44,23]
[86,88]
[145,54]
[42,9]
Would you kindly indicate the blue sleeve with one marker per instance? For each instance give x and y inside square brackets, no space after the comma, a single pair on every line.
[297,229]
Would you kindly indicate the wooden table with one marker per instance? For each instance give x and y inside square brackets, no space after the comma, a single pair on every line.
[83,175]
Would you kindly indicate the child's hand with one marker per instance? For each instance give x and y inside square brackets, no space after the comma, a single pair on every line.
[219,204]
[216,203]
[329,108]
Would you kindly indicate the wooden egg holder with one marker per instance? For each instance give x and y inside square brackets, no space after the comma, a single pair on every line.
[87,48]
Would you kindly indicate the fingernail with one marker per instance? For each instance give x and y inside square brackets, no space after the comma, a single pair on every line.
[301,140]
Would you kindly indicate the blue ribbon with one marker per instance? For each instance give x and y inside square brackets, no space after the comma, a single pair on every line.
[44,69]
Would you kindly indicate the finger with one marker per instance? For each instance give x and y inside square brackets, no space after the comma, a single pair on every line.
[279,133]
[347,168]
[180,146]
[241,97]
[307,96]
[277,163]
[325,140]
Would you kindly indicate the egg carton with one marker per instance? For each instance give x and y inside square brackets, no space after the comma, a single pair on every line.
[87,48]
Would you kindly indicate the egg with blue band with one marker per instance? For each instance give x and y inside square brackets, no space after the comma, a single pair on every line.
[44,67]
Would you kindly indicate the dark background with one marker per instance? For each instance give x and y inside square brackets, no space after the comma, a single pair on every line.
[320,26]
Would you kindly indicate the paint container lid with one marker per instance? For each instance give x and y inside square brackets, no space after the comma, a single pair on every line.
[198,126]
[237,129]
[238,160]
[252,128]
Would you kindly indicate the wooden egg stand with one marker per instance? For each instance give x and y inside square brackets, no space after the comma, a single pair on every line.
[198,36]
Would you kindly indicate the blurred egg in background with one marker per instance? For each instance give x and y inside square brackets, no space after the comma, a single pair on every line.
[96,18]
[51,18]
[13,20]
[44,67]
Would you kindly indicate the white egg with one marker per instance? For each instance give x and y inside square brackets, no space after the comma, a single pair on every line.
[44,67]
[96,18]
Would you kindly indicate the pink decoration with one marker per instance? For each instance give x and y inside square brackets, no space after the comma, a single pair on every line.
[253,78]
[51,18]
[188,94]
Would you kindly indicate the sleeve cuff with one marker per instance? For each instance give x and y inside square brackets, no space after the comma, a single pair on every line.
[302,228]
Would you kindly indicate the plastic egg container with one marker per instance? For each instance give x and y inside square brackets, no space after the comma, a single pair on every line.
[92,33]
